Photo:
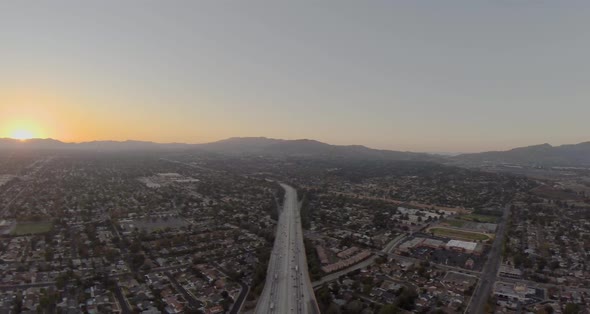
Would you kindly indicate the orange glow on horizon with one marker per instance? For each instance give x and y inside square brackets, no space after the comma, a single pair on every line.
[22,134]
[22,130]
[31,113]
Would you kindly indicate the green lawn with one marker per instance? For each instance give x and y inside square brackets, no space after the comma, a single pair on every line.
[32,228]
[479,218]
[458,234]
[456,223]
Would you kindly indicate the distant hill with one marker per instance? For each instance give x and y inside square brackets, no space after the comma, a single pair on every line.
[545,154]
[36,143]
[307,148]
[55,145]
[236,146]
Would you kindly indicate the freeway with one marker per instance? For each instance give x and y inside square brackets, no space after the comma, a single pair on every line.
[288,287]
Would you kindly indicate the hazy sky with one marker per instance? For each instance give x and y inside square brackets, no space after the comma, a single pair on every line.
[415,75]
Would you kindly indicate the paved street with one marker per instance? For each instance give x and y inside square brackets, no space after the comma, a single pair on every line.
[27,285]
[363,264]
[244,289]
[490,269]
[371,260]
[288,287]
[193,303]
[125,309]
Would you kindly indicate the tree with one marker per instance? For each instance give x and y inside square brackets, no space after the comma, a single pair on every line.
[18,302]
[324,297]
[407,298]
[60,282]
[354,307]
[367,288]
[572,308]
[49,254]
[388,309]
[554,265]
[137,260]
[541,263]
[333,309]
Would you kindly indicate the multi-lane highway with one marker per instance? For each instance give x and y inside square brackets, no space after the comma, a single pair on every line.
[288,287]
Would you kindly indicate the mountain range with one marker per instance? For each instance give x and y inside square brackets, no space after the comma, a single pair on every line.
[536,155]
[545,154]
[236,146]
[306,148]
[51,144]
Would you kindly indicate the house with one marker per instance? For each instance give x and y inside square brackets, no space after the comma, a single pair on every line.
[173,306]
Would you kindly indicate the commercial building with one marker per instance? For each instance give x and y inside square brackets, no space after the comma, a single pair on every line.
[461,246]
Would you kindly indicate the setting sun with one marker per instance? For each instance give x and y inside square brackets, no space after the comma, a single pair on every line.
[21,129]
[21,134]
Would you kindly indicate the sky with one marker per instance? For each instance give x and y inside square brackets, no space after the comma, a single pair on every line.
[434,76]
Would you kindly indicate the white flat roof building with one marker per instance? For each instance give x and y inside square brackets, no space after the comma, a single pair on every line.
[464,245]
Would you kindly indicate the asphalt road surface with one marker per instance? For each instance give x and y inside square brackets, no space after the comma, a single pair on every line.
[193,303]
[122,301]
[288,287]
[490,269]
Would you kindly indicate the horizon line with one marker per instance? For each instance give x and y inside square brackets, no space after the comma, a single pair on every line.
[272,138]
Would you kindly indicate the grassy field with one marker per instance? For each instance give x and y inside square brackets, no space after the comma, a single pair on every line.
[458,234]
[32,228]
[479,218]
[455,223]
